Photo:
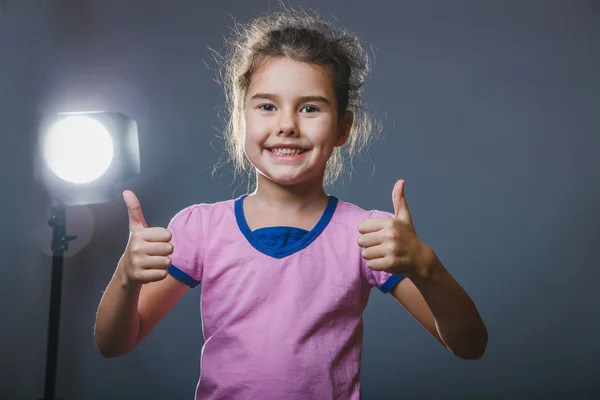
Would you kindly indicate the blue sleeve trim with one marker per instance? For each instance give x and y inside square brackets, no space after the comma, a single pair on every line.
[390,283]
[183,277]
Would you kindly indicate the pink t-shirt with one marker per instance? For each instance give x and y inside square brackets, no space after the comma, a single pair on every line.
[279,323]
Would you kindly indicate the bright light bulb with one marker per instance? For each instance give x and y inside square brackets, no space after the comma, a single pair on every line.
[78,149]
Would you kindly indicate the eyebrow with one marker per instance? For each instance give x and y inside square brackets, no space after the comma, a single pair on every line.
[274,97]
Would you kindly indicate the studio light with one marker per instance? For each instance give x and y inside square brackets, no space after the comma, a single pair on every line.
[81,158]
[76,157]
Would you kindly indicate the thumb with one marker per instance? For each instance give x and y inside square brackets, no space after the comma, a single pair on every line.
[134,209]
[400,206]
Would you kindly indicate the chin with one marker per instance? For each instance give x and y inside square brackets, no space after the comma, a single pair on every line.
[285,175]
[287,180]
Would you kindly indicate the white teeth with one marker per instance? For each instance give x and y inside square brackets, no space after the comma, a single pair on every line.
[287,152]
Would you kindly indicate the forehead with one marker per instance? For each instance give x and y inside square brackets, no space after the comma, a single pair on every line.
[287,77]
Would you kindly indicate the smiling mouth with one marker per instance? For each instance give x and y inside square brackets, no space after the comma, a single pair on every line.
[287,152]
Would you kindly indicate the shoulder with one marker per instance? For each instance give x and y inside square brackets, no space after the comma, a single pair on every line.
[350,211]
[201,211]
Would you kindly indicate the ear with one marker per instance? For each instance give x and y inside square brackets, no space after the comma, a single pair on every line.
[344,128]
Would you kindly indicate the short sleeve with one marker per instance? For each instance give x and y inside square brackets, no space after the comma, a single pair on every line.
[384,281]
[188,250]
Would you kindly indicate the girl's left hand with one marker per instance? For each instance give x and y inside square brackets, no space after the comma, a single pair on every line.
[391,244]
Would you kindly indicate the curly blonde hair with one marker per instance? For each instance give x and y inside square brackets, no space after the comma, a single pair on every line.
[301,37]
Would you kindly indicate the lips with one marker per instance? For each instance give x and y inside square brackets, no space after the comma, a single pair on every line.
[286,151]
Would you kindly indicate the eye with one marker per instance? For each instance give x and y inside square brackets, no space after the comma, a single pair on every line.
[267,107]
[310,109]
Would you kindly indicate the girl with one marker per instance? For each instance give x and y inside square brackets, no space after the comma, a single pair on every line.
[286,270]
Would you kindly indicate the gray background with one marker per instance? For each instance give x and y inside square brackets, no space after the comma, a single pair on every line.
[490,112]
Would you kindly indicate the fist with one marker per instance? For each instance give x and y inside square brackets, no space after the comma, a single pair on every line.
[146,257]
[391,244]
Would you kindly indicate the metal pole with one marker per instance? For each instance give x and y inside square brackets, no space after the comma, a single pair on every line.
[60,244]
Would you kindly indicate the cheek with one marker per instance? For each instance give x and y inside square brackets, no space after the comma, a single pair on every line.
[254,131]
[323,132]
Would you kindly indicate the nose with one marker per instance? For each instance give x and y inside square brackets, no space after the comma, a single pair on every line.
[288,126]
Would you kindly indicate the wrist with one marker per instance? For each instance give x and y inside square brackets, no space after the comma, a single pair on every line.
[123,279]
[427,265]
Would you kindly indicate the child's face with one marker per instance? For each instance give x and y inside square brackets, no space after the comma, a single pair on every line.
[291,103]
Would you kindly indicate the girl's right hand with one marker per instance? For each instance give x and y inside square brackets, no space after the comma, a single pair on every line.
[146,257]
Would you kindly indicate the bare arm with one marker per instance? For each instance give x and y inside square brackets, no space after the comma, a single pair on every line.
[438,302]
[141,291]
[156,300]
[129,311]
[409,297]
[117,321]
[430,294]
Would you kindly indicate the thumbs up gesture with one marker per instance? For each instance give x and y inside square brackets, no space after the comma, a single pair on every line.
[391,244]
[146,257]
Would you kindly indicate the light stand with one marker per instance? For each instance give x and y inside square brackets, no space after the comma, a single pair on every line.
[61,166]
[60,244]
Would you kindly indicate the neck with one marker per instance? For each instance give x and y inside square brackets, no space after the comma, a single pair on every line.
[302,196]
